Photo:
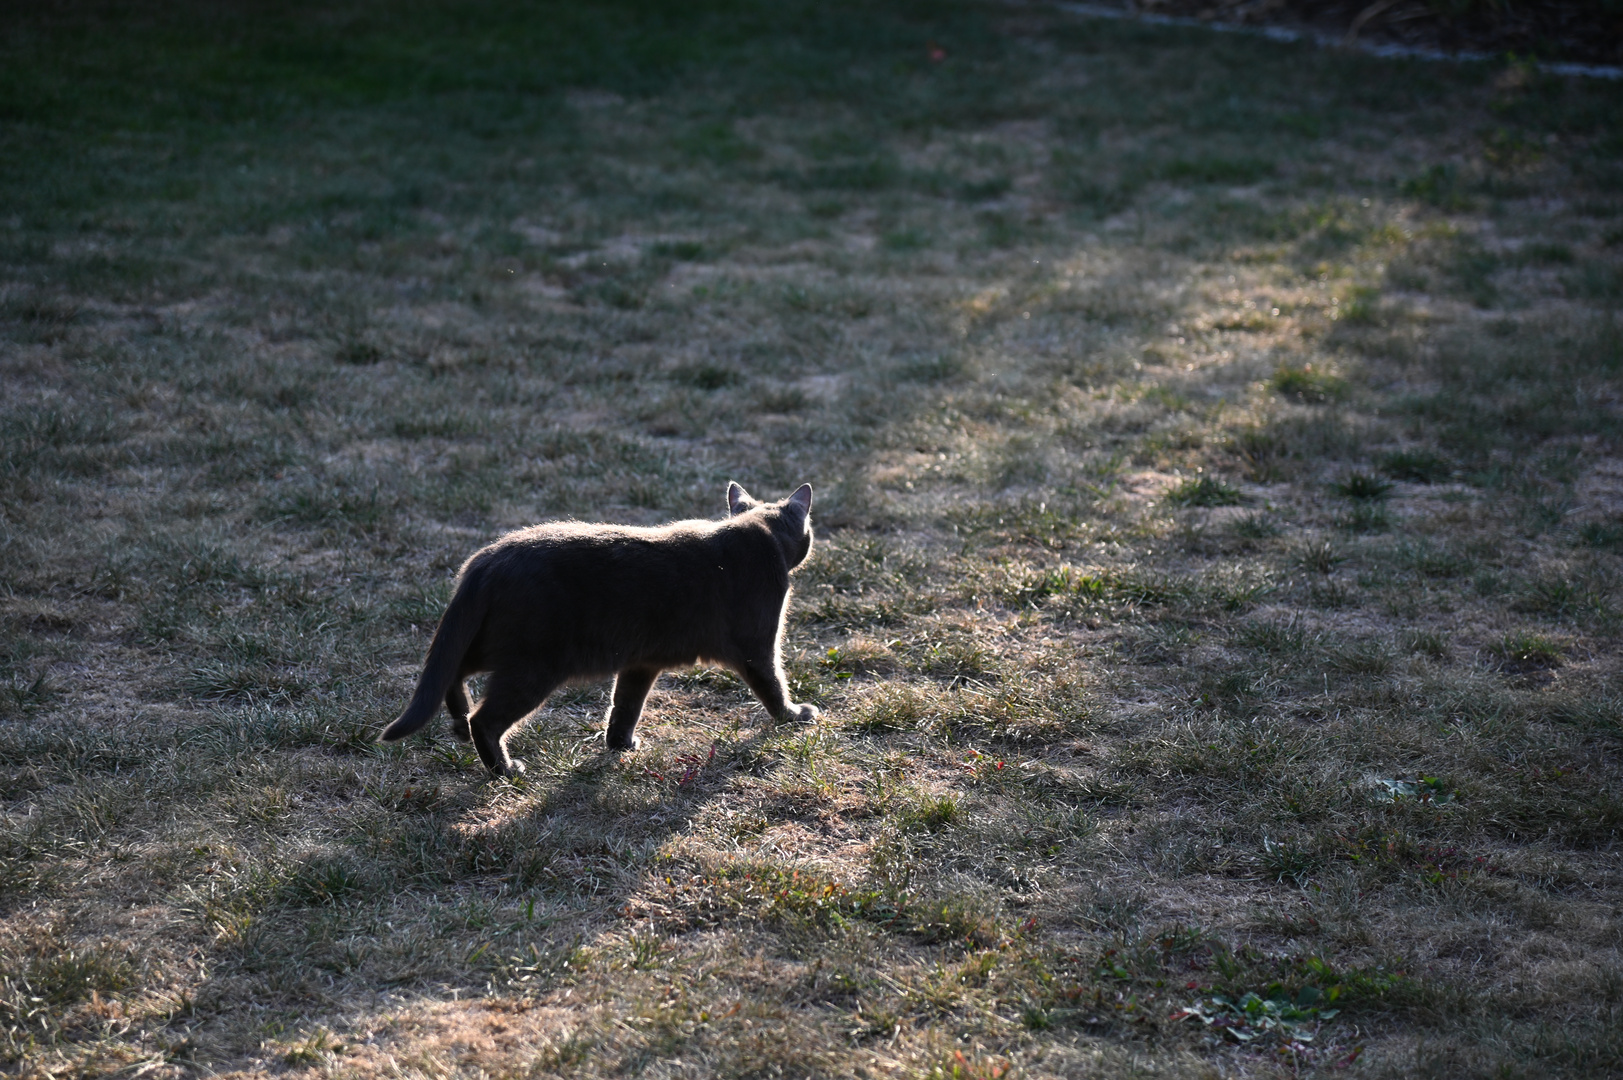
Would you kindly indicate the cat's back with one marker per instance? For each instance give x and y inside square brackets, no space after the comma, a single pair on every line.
[587,540]
[691,551]
[607,589]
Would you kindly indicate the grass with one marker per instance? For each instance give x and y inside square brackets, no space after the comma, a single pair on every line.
[1214,610]
[1205,491]
[1362,487]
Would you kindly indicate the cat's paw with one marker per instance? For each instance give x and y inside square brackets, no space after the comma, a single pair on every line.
[803,714]
[624,744]
[514,767]
[460,730]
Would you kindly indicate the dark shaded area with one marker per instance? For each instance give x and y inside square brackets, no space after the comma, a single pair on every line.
[1581,31]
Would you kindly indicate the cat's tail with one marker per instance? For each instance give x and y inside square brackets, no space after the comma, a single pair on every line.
[461,621]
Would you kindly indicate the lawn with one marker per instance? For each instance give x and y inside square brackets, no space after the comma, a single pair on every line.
[1215,610]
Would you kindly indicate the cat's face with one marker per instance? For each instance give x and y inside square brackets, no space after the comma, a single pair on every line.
[791,519]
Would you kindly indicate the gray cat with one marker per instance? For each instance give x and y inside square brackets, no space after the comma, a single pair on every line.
[573,602]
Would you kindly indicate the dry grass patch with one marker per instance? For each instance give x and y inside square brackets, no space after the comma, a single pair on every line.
[1214,609]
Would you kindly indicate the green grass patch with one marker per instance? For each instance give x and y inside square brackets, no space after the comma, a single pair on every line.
[1307,383]
[1204,491]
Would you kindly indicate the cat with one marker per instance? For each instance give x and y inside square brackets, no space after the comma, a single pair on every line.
[572,601]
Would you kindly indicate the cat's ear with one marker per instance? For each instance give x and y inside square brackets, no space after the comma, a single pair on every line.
[739,500]
[801,499]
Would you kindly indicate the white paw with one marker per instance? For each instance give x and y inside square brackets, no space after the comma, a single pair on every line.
[805,714]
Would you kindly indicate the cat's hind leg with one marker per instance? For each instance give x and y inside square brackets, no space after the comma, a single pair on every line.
[764,675]
[456,702]
[508,699]
[631,688]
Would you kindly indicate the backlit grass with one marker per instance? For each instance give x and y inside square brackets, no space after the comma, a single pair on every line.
[1214,613]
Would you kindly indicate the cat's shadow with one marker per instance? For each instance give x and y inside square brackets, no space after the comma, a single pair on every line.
[595,828]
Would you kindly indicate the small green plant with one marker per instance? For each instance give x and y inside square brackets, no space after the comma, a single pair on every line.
[776,893]
[1204,491]
[1319,556]
[1416,466]
[1331,595]
[1431,560]
[903,240]
[1360,306]
[1366,517]
[1256,527]
[1426,643]
[358,352]
[569,1051]
[1438,185]
[644,947]
[1290,861]
[1361,658]
[1526,651]
[1362,487]
[957,920]
[682,250]
[932,813]
[1274,638]
[708,376]
[1061,581]
[20,694]
[312,1049]
[1602,534]
[323,882]
[65,978]
[1280,1017]
[1306,383]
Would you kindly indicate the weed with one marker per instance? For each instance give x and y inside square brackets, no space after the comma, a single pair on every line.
[21,695]
[1330,595]
[1251,1017]
[1438,185]
[1419,466]
[1601,534]
[1204,491]
[1360,307]
[1363,658]
[933,813]
[683,250]
[359,351]
[1319,557]
[313,1049]
[1274,638]
[1526,651]
[1426,643]
[1362,486]
[708,377]
[1256,527]
[1366,517]
[323,882]
[1307,383]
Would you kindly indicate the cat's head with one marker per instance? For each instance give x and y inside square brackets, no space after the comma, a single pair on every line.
[790,520]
